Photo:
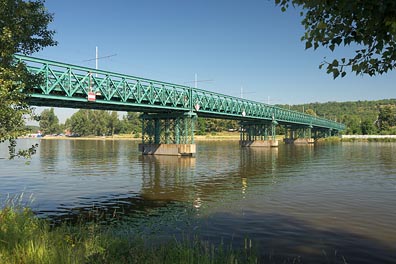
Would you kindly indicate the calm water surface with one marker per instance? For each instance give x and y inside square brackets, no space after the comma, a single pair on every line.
[315,204]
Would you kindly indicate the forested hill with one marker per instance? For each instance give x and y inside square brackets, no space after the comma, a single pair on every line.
[360,117]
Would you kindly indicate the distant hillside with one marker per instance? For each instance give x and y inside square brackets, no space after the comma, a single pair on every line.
[361,117]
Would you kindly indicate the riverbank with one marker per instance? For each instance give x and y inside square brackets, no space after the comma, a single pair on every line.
[24,238]
[233,136]
[368,138]
[208,137]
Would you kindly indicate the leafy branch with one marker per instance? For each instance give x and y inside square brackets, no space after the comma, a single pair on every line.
[370,25]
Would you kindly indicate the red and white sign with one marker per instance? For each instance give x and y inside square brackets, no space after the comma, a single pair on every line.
[91,96]
[197,107]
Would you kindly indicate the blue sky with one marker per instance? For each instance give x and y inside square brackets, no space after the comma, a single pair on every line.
[249,44]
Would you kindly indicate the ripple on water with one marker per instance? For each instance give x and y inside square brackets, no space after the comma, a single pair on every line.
[334,200]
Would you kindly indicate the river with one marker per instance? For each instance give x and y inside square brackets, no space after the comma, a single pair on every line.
[328,203]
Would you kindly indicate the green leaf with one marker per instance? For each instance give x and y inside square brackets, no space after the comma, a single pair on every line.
[336,73]
[366,25]
[23,30]
[321,25]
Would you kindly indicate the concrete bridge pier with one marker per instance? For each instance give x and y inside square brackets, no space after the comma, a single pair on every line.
[168,134]
[258,134]
[300,135]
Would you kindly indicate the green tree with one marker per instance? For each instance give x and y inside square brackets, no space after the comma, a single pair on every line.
[310,111]
[131,123]
[79,123]
[386,118]
[201,126]
[49,122]
[367,127]
[98,122]
[353,124]
[113,123]
[23,29]
[94,122]
[368,25]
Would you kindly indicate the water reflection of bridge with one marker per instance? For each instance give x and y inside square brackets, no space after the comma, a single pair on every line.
[165,179]
[173,178]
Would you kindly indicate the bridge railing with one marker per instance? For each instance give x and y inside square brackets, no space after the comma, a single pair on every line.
[73,83]
[208,102]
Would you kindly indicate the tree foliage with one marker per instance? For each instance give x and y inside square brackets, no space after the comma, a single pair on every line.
[23,29]
[94,122]
[310,111]
[368,25]
[49,122]
[360,117]
[210,125]
[386,118]
[131,124]
[367,127]
[99,123]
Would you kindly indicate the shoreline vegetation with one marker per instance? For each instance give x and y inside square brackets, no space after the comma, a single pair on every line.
[231,136]
[25,238]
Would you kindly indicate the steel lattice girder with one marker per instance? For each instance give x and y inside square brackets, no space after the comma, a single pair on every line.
[169,128]
[67,85]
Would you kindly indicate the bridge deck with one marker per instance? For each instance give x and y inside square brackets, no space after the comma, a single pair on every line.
[67,85]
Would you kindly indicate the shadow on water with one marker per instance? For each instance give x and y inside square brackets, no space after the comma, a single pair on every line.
[276,238]
[164,179]
[109,210]
[177,195]
[282,237]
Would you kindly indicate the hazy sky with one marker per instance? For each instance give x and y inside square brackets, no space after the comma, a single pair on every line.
[248,44]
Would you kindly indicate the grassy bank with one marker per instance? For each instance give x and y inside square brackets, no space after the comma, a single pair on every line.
[337,139]
[24,238]
[334,139]
[368,140]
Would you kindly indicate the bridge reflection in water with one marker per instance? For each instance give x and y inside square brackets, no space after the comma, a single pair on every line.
[302,200]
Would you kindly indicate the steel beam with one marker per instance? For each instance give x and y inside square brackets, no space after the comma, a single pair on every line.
[68,85]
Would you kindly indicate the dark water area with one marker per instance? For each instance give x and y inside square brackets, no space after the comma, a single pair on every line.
[329,203]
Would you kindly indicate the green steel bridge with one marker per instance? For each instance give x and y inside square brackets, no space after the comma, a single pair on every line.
[169,109]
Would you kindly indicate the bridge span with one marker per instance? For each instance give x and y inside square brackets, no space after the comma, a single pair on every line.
[169,110]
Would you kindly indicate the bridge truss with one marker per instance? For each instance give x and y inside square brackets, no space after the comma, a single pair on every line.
[72,86]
